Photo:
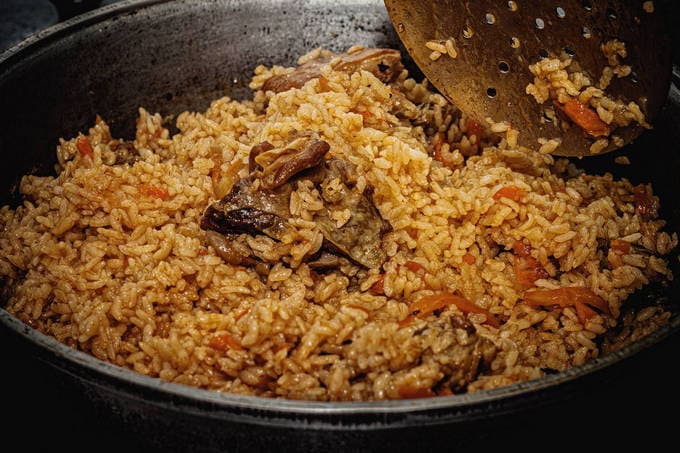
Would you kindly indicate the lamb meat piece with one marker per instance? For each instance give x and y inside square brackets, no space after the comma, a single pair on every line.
[256,151]
[264,207]
[252,211]
[259,204]
[360,239]
[308,153]
[385,64]
[296,79]
[230,249]
[326,261]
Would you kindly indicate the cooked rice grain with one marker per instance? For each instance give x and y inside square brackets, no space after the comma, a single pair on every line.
[108,256]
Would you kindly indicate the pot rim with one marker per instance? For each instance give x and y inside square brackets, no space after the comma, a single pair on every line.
[461,403]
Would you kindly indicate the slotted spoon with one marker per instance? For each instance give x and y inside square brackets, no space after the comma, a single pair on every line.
[496,41]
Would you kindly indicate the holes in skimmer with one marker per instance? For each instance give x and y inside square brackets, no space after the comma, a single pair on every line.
[490,18]
[491,92]
[503,67]
[540,23]
[561,13]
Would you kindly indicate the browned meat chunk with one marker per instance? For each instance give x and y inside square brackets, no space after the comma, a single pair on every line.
[308,153]
[256,151]
[360,238]
[296,79]
[245,210]
[385,64]
[259,204]
[325,261]
[230,249]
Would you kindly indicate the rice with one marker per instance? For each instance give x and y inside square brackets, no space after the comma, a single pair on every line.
[444,47]
[561,81]
[108,256]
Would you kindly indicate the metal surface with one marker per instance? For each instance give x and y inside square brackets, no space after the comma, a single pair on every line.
[58,80]
[490,74]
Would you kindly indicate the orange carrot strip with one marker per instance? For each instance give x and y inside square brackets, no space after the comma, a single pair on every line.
[584,312]
[378,288]
[223,342]
[511,192]
[428,304]
[469,259]
[585,117]
[413,266]
[474,128]
[521,248]
[528,270]
[620,247]
[153,191]
[566,297]
[84,146]
[446,391]
[410,392]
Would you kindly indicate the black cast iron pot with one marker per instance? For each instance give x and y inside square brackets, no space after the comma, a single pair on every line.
[173,56]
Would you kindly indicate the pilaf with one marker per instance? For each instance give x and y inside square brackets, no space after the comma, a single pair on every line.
[481,265]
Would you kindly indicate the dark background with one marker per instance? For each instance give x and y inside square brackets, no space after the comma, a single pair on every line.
[635,408]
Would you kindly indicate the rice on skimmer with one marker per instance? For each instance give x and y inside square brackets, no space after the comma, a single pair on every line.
[346,234]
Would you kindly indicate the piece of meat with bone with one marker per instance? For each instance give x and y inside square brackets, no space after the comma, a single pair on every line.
[385,64]
[260,204]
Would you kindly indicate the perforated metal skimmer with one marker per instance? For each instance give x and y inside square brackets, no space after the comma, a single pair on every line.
[496,41]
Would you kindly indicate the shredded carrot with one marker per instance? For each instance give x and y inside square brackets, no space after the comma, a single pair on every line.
[378,288]
[429,304]
[446,391]
[469,259]
[511,192]
[582,299]
[242,313]
[323,84]
[527,268]
[521,248]
[412,232]
[584,312]
[620,247]
[474,128]
[410,392]
[437,143]
[585,117]
[84,146]
[153,191]
[366,115]
[223,342]
[413,266]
